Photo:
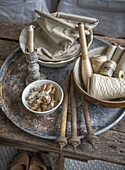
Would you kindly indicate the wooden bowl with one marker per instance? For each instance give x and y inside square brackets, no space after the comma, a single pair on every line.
[86,96]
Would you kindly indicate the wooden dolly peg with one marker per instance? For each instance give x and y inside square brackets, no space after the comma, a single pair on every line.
[61,140]
[74,140]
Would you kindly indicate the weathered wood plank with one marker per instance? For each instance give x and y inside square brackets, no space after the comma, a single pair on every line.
[111,144]
[10,31]
[1,62]
[111,39]
[110,147]
[6,47]
[120,127]
[57,161]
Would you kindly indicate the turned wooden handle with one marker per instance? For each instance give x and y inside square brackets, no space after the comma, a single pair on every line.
[87,117]
[73,109]
[74,140]
[83,42]
[75,17]
[86,68]
[65,106]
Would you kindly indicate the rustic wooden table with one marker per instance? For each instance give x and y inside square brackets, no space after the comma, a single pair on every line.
[111,144]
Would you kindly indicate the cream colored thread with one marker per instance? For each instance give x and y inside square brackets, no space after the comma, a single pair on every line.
[120,66]
[106,88]
[97,62]
[118,53]
[108,68]
[110,51]
[121,75]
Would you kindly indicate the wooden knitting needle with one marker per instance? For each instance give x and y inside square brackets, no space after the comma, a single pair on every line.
[61,140]
[86,68]
[74,140]
[90,136]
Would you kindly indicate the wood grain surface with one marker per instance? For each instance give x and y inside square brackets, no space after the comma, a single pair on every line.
[111,144]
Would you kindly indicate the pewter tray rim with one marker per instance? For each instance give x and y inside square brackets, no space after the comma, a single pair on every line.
[3,107]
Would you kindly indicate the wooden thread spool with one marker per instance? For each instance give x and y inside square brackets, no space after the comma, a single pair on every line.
[121,75]
[108,68]
[61,140]
[110,51]
[120,66]
[86,68]
[118,53]
[74,140]
[97,62]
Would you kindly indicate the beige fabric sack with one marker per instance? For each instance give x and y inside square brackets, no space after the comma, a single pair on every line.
[56,39]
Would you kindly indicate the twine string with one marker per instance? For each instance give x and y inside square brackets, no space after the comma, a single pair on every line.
[106,88]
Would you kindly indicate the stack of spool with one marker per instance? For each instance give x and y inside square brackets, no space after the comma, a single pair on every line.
[108,79]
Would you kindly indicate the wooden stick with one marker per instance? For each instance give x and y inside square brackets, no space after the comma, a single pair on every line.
[75,17]
[74,140]
[60,22]
[83,42]
[86,68]
[61,140]
[90,136]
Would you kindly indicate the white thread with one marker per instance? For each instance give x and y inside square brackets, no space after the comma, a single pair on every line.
[106,88]
[121,75]
[120,66]
[110,51]
[97,62]
[108,68]
[118,53]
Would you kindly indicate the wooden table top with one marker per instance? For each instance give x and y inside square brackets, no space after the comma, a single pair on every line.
[111,144]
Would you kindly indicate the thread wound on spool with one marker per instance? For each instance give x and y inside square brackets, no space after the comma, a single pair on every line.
[97,62]
[121,75]
[120,66]
[108,68]
[110,51]
[118,53]
[106,88]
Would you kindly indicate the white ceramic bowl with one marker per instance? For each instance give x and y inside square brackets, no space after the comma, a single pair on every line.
[52,64]
[56,64]
[58,94]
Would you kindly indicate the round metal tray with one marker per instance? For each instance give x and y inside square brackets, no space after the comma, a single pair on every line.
[12,79]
